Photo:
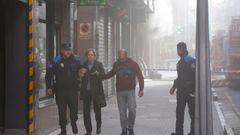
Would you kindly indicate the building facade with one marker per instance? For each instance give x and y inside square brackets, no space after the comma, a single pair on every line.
[33,31]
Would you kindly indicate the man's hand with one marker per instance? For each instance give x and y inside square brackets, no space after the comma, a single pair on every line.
[140,93]
[50,91]
[172,90]
[95,73]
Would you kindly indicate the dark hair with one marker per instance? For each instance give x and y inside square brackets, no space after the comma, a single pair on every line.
[90,50]
[183,47]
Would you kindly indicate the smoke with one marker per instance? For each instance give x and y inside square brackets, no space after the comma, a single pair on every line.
[161,22]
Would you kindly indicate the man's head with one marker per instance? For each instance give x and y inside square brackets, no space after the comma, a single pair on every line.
[66,50]
[122,54]
[182,49]
[91,55]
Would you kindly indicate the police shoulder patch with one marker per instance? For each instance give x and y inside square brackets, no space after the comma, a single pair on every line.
[189,59]
[57,59]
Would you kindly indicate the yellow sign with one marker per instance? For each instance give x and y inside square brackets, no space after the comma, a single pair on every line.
[85,31]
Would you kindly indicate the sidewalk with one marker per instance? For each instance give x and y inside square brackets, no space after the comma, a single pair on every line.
[229,103]
[155,115]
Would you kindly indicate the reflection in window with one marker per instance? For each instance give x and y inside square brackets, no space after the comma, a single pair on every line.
[41,52]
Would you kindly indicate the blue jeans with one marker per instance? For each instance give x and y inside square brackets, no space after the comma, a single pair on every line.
[127,103]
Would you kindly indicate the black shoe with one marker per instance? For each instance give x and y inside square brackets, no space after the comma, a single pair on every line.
[88,133]
[191,133]
[74,128]
[63,132]
[131,131]
[124,133]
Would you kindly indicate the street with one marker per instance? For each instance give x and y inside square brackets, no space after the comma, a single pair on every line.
[155,114]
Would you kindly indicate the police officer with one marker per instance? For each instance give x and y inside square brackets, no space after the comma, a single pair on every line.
[185,85]
[62,80]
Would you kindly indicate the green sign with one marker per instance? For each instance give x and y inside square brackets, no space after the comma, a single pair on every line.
[92,2]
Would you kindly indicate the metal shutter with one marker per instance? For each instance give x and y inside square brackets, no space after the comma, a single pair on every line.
[111,83]
[101,41]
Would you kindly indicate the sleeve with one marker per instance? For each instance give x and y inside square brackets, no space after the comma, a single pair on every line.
[49,76]
[175,83]
[101,71]
[193,69]
[140,77]
[110,73]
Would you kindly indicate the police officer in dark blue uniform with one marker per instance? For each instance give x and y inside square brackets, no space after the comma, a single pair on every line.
[185,85]
[62,80]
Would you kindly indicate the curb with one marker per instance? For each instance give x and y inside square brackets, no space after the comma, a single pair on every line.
[228,130]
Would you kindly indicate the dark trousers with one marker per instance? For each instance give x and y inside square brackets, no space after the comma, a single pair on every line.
[64,99]
[184,99]
[87,100]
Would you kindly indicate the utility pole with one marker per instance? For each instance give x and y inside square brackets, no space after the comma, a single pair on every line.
[203,111]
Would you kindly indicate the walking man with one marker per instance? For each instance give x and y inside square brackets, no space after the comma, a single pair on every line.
[126,71]
[64,69]
[185,85]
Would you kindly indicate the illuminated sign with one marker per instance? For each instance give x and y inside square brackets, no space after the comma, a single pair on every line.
[92,2]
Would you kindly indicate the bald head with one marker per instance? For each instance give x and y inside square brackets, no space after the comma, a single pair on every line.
[122,55]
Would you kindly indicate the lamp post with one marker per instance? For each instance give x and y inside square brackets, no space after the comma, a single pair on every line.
[203,113]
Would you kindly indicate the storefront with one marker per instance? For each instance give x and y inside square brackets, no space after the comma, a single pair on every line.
[54,23]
